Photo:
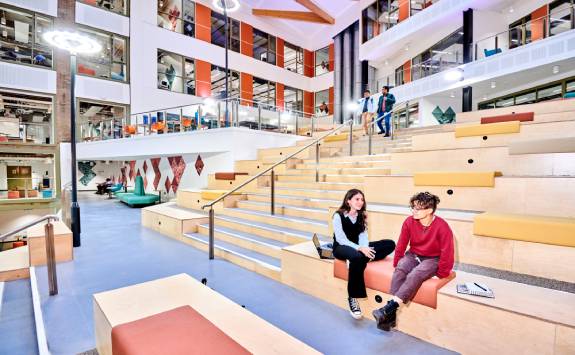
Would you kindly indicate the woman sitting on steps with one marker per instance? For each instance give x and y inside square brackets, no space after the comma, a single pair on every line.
[351,243]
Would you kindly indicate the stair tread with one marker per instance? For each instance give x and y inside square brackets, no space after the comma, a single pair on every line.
[311,199]
[285,218]
[310,209]
[313,182]
[263,240]
[270,227]
[272,262]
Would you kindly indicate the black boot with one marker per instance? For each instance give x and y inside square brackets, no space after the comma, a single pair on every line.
[386,316]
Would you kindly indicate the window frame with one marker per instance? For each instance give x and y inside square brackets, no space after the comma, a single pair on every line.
[126,7]
[184,77]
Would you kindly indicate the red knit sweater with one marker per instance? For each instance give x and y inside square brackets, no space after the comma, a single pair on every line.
[436,240]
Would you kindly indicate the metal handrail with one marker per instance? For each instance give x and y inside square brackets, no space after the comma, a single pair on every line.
[28,225]
[271,168]
[50,249]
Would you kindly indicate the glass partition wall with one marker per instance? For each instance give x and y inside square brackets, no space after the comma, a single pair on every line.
[100,121]
[111,62]
[264,47]
[27,176]
[178,16]
[26,118]
[118,6]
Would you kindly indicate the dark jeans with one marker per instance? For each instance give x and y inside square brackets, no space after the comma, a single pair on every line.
[410,274]
[358,262]
[387,119]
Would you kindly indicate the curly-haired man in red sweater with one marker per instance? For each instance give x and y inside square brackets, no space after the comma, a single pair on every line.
[430,254]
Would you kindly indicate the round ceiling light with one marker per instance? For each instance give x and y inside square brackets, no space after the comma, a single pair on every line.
[454,74]
[72,42]
[228,5]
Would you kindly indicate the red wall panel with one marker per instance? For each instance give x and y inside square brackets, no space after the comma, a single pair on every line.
[280,52]
[403,10]
[203,23]
[407,71]
[308,65]
[331,57]
[280,95]
[331,100]
[308,102]
[203,78]
[247,88]
[247,39]
[538,23]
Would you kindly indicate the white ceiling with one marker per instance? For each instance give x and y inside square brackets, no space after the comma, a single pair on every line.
[335,8]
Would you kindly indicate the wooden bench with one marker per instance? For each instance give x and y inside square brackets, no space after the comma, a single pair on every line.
[378,274]
[195,199]
[170,220]
[228,176]
[542,146]
[124,305]
[522,319]
[62,243]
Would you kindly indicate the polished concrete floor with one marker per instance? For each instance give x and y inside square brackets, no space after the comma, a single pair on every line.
[116,251]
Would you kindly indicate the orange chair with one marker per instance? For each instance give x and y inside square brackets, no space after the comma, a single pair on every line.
[130,129]
[158,126]
[186,122]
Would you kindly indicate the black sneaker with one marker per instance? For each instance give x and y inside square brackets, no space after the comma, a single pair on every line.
[354,309]
[386,316]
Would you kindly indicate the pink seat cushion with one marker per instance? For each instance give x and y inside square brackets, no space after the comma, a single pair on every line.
[378,276]
[522,117]
[181,331]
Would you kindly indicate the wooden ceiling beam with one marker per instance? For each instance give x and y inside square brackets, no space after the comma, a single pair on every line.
[290,15]
[313,7]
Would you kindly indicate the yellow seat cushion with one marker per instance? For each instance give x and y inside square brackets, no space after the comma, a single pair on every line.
[455,178]
[535,229]
[336,138]
[487,129]
[214,194]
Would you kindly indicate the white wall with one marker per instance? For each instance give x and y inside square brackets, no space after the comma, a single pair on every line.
[24,77]
[48,7]
[102,90]
[428,104]
[242,143]
[102,19]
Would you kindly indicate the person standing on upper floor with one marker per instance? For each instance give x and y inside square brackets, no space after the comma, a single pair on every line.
[351,243]
[384,108]
[431,253]
[367,108]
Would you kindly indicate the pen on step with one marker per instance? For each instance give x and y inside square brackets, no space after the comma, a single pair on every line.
[479,286]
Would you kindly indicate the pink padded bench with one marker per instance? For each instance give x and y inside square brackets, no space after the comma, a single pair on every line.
[180,331]
[522,117]
[378,277]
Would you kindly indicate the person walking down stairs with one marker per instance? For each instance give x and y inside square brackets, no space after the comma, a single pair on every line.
[384,108]
[351,243]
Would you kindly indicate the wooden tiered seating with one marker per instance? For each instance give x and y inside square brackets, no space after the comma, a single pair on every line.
[487,129]
[522,117]
[543,146]
[120,315]
[455,178]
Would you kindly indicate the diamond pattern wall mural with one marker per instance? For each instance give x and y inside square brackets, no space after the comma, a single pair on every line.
[132,168]
[178,166]
[157,172]
[199,165]
[167,184]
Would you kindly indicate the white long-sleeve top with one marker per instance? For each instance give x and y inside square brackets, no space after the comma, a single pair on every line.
[340,236]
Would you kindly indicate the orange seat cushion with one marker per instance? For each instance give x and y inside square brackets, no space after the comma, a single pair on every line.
[228,176]
[180,331]
[378,274]
[522,117]
[13,194]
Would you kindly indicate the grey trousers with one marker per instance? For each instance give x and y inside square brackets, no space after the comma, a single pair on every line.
[410,274]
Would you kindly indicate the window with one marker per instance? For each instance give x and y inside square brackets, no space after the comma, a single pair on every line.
[379,17]
[99,121]
[178,16]
[28,175]
[549,93]
[420,5]
[322,61]
[176,73]
[527,98]
[520,32]
[445,54]
[293,99]
[111,62]
[264,47]
[570,86]
[399,76]
[322,103]
[26,117]
[118,6]
[505,102]
[218,32]
[293,58]
[218,82]
[21,38]
[264,92]
[560,16]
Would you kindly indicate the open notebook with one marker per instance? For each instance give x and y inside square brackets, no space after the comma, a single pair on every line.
[475,289]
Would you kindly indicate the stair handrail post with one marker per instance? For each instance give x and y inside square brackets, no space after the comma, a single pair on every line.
[273,197]
[259,117]
[51,258]
[370,140]
[211,233]
[350,137]
[317,161]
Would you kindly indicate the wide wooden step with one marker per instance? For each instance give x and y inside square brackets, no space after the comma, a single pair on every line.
[286,210]
[14,264]
[347,165]
[309,193]
[300,201]
[341,171]
[339,186]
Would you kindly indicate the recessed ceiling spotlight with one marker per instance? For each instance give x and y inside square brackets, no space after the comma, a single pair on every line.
[511,9]
[386,62]
[452,95]
[555,69]
[406,47]
[493,84]
[484,98]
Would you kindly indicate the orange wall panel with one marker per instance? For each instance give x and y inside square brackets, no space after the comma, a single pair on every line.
[203,23]
[280,96]
[538,24]
[407,71]
[308,65]
[280,52]
[203,78]
[331,57]
[308,102]
[403,10]
[247,39]
[247,88]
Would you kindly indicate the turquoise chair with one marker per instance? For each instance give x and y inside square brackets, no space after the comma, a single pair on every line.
[139,197]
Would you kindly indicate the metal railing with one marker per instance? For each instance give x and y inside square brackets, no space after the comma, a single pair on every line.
[315,142]
[536,29]
[50,250]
